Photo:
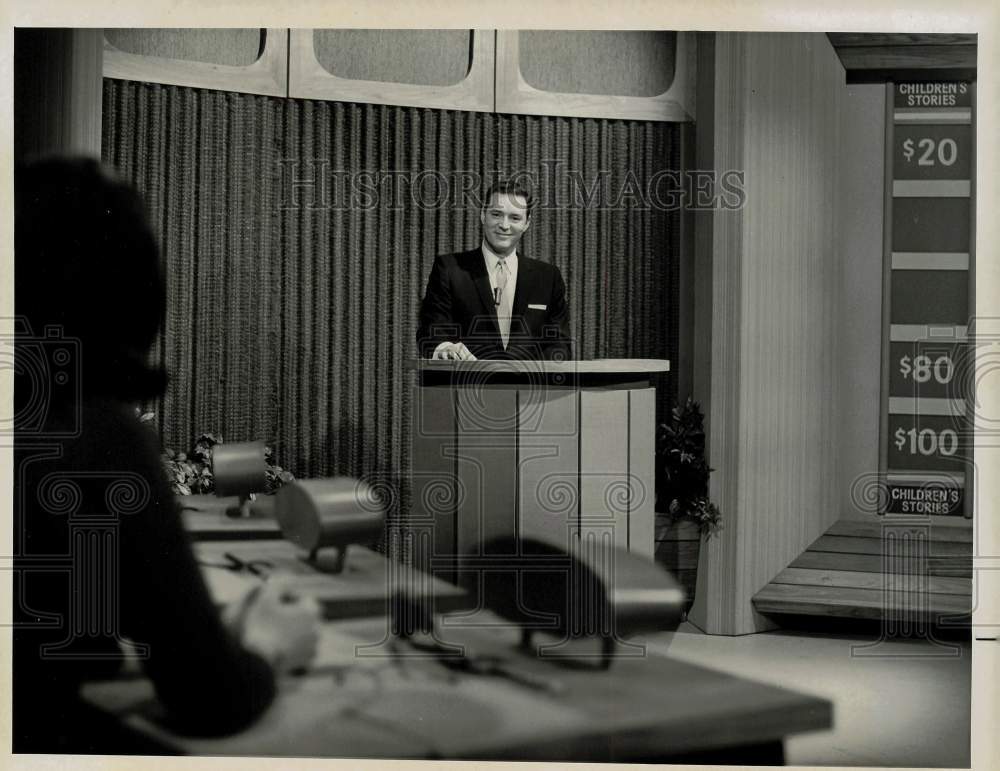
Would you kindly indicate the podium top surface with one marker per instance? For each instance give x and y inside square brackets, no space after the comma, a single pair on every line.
[531,367]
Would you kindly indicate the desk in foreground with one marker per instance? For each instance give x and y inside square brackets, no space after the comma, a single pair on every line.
[204,518]
[365,587]
[359,701]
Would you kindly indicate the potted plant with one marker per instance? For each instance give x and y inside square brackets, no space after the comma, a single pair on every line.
[190,473]
[685,515]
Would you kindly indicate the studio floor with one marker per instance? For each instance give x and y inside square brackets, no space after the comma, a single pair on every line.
[909,705]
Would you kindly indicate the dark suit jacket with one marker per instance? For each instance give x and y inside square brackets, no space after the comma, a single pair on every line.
[458,306]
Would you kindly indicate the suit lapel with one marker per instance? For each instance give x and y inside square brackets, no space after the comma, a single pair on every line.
[477,271]
[525,267]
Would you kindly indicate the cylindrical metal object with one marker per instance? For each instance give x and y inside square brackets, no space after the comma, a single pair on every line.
[239,468]
[319,513]
[576,591]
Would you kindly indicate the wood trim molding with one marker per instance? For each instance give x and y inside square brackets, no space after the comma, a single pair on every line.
[876,58]
[908,57]
[268,75]
[308,79]
[515,95]
[897,39]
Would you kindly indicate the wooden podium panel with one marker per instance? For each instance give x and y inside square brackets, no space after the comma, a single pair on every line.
[604,451]
[432,525]
[509,449]
[642,471]
[485,450]
[548,458]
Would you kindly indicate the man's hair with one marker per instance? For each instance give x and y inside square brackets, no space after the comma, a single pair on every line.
[510,187]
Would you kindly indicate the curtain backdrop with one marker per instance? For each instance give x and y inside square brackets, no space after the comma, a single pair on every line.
[297,237]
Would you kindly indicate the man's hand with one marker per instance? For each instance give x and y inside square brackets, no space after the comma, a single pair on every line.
[455,351]
[273,622]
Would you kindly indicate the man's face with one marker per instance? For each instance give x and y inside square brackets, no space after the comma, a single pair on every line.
[505,218]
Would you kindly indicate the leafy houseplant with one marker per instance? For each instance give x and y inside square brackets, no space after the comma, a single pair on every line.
[682,484]
[191,472]
[685,515]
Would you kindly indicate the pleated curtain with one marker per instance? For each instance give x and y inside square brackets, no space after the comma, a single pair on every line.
[292,309]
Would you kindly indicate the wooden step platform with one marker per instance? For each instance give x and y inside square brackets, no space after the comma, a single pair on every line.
[878,570]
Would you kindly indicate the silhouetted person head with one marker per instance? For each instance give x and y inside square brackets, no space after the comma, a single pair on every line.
[86,263]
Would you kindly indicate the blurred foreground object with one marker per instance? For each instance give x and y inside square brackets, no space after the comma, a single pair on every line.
[329,513]
[589,591]
[240,469]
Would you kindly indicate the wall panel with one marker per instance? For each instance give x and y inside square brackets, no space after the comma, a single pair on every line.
[554,73]
[862,213]
[232,47]
[249,61]
[439,69]
[610,62]
[619,74]
[425,57]
[774,431]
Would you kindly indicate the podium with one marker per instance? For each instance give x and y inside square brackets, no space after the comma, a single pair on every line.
[509,449]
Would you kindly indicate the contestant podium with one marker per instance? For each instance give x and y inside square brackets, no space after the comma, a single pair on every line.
[509,449]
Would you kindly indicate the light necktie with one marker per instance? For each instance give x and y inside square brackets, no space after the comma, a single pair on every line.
[503,304]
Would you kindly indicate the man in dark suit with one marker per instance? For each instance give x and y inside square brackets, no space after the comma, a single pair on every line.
[490,302]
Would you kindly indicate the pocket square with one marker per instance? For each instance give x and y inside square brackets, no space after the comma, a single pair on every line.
[537,307]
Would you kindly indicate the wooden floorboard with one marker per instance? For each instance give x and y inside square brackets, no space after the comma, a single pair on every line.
[857,603]
[855,571]
[854,545]
[854,579]
[873,563]
[938,533]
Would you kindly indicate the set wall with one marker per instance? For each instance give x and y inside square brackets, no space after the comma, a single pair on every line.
[57,92]
[860,266]
[776,312]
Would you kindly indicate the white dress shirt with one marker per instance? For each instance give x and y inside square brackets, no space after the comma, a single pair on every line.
[506,308]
